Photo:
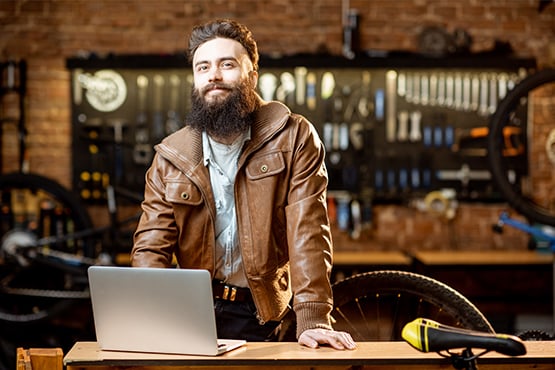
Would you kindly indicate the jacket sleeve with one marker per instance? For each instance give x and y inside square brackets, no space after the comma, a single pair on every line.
[308,232]
[155,236]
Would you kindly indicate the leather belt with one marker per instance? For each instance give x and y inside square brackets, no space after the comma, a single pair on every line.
[231,293]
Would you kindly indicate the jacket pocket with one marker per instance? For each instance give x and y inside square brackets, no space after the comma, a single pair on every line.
[265,165]
[183,193]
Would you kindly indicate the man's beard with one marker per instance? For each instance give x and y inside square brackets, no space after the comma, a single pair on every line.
[227,117]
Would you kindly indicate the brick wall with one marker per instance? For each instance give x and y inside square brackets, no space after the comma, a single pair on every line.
[47,32]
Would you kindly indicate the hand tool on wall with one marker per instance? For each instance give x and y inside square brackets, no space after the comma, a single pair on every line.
[458,92]
[409,89]
[286,87]
[441,89]
[512,139]
[438,136]
[466,92]
[311,90]
[391,104]
[327,86]
[363,102]
[173,122]
[415,178]
[433,89]
[379,105]
[492,106]
[401,84]
[142,150]
[300,85]
[484,95]
[449,90]
[449,135]
[356,135]
[502,87]
[403,126]
[158,129]
[415,119]
[465,174]
[117,125]
[475,94]
[327,135]
[427,138]
[267,83]
[424,89]
[344,136]
[416,92]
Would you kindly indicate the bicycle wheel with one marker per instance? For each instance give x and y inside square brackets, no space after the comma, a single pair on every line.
[32,289]
[526,114]
[374,306]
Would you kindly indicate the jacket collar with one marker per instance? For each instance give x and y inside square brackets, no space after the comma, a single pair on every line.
[184,147]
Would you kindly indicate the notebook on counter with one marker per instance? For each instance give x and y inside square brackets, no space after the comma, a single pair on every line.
[159,310]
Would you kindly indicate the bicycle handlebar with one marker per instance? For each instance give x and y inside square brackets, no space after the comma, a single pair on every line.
[429,336]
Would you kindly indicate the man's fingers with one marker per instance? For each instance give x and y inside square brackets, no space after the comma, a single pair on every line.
[338,340]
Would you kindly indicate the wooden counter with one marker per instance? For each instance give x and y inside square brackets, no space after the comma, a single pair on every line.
[368,356]
[477,258]
[370,258]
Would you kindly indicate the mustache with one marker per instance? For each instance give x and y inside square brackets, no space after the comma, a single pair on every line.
[213,86]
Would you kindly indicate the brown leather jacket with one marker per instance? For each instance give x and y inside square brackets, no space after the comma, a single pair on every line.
[280,192]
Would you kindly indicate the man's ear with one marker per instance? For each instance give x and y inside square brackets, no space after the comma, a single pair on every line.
[253,77]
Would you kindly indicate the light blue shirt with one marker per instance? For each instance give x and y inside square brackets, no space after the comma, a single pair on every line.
[221,160]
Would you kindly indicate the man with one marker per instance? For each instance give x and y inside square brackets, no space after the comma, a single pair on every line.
[241,191]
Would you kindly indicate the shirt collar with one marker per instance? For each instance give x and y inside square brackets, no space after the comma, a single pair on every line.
[207,152]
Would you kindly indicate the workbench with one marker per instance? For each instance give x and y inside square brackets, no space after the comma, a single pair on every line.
[368,356]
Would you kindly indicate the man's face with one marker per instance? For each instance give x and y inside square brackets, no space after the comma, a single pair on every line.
[219,65]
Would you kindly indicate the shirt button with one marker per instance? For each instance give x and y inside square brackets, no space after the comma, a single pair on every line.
[185,196]
[264,168]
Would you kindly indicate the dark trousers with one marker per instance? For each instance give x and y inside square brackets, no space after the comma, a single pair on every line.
[237,320]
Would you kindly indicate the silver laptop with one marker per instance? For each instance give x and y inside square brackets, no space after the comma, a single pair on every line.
[155,310]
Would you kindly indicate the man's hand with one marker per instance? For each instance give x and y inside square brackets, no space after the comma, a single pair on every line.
[337,339]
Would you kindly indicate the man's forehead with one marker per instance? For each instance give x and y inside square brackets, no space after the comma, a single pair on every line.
[220,47]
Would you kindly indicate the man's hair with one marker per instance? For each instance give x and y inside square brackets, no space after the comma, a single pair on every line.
[224,28]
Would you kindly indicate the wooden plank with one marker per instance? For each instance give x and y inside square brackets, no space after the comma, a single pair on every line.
[39,359]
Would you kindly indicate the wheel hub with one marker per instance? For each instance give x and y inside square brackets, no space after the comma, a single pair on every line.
[14,244]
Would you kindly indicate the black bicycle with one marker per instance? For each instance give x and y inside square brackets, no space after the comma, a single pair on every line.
[48,240]
[512,138]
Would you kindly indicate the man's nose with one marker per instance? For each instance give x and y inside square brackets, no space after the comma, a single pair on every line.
[215,74]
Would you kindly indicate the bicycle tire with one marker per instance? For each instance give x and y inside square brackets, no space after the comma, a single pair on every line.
[375,306]
[523,204]
[21,308]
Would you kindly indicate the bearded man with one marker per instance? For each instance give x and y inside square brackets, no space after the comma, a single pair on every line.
[240,191]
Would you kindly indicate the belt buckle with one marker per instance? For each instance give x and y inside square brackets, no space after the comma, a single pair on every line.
[226,296]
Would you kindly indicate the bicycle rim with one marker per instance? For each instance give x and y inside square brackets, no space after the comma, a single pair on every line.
[375,306]
[533,194]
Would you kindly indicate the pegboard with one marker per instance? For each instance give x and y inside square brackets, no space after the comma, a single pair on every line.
[395,128]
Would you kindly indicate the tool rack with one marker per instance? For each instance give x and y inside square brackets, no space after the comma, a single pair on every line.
[395,127]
